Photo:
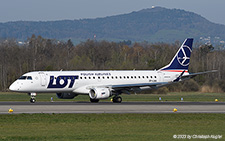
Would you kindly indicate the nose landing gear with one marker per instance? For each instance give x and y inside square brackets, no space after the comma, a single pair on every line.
[32,97]
[32,100]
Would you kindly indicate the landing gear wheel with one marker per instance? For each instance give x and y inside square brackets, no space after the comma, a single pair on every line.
[32,100]
[32,97]
[117,99]
[94,100]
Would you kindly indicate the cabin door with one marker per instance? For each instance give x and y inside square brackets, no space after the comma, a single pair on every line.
[160,76]
[43,79]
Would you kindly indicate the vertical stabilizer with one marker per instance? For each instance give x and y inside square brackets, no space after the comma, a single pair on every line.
[180,61]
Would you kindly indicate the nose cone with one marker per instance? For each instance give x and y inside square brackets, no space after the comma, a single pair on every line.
[13,87]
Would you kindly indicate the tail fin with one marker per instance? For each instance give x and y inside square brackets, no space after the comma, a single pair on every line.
[180,61]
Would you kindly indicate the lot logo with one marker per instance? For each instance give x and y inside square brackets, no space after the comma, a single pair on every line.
[183,56]
[62,81]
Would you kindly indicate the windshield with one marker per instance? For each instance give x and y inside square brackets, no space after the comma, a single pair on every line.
[22,77]
[25,78]
[29,78]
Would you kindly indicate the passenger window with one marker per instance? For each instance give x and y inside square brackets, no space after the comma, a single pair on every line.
[29,78]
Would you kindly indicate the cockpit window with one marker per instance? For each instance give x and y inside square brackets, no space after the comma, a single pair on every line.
[22,77]
[29,78]
[25,78]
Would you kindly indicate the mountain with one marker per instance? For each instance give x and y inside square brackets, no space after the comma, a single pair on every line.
[154,24]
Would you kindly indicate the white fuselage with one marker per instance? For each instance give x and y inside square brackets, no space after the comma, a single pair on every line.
[81,82]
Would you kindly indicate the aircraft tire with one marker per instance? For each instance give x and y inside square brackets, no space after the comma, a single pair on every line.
[117,99]
[32,100]
[94,100]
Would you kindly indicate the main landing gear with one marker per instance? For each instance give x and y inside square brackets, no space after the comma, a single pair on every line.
[117,99]
[32,97]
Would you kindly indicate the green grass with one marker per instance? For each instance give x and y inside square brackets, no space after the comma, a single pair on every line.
[108,126]
[173,96]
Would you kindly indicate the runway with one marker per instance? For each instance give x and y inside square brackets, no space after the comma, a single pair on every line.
[109,107]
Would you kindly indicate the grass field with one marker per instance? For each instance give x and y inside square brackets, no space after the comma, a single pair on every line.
[109,126]
[174,96]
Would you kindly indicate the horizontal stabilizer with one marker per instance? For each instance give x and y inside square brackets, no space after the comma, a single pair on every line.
[198,73]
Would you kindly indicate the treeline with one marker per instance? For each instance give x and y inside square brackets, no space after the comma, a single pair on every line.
[40,54]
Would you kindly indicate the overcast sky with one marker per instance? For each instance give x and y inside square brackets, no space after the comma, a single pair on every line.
[48,10]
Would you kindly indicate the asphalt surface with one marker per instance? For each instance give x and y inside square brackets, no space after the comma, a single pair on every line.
[109,107]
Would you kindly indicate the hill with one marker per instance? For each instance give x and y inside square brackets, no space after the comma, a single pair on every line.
[155,24]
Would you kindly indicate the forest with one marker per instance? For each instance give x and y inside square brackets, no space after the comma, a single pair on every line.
[40,54]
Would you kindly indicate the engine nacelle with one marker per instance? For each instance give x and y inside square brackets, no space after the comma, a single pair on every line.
[99,93]
[66,95]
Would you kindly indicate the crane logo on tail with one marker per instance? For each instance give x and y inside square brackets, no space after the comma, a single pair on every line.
[183,55]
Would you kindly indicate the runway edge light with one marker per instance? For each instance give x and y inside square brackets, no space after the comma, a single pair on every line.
[175,110]
[216,100]
[10,110]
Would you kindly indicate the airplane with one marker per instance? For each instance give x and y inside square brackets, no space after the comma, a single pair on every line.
[104,84]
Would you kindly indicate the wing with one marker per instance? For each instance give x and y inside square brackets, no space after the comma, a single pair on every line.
[127,88]
[153,85]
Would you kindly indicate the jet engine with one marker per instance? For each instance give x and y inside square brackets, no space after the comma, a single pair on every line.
[99,93]
[66,95]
